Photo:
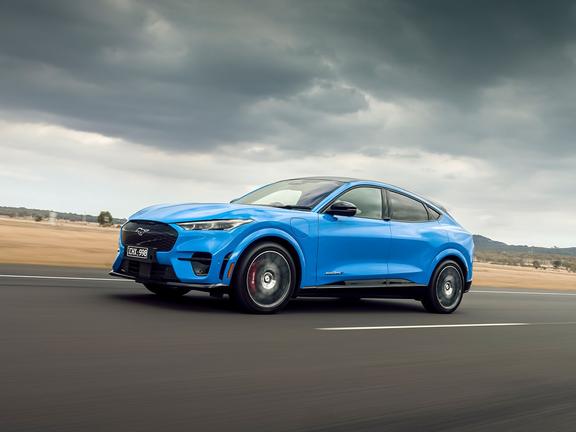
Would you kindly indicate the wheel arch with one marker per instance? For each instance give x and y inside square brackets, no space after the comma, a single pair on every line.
[276,236]
[454,255]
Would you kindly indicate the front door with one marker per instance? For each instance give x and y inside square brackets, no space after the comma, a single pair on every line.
[352,248]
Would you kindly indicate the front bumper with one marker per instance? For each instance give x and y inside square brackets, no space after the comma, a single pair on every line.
[179,264]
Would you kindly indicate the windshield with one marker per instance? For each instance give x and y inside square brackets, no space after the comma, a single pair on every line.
[302,194]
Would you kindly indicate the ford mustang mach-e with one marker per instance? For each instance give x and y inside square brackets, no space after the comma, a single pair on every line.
[319,236]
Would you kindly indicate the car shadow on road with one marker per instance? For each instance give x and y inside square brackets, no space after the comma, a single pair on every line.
[195,302]
[330,305]
[206,304]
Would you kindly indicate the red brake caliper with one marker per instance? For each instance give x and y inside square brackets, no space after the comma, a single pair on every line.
[252,278]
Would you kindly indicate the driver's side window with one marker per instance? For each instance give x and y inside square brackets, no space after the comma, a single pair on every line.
[368,200]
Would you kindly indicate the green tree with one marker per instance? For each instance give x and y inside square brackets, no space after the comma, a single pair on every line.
[536,264]
[556,264]
[105,218]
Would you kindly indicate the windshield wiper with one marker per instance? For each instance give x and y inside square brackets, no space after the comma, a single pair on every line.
[293,207]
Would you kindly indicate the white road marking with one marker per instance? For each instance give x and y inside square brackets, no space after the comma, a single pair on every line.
[523,293]
[432,326]
[423,326]
[65,278]
[129,280]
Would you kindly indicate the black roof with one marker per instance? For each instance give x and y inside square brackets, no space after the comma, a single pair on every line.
[334,178]
[353,179]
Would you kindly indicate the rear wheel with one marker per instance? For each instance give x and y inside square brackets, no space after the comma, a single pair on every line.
[166,291]
[446,289]
[264,279]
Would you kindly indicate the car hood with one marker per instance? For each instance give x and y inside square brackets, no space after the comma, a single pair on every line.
[175,213]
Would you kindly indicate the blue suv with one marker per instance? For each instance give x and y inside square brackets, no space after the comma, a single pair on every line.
[318,236]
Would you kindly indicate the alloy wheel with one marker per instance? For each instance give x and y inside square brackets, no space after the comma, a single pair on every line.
[449,287]
[268,279]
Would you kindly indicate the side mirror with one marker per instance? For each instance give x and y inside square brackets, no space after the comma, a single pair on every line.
[342,208]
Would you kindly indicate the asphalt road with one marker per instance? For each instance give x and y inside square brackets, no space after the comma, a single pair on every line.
[104,355]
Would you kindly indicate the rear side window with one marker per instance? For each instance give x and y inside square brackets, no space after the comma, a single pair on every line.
[403,208]
[367,200]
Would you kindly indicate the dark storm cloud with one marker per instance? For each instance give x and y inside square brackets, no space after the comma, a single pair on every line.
[126,71]
[196,75]
[448,46]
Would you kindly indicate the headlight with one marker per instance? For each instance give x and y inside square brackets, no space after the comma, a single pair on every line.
[214,225]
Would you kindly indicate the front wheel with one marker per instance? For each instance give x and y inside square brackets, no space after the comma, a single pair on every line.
[264,279]
[166,291]
[446,288]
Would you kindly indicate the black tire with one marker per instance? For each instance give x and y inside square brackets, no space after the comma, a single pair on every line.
[444,293]
[166,291]
[264,279]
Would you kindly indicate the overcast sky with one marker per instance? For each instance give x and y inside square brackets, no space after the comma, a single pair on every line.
[117,104]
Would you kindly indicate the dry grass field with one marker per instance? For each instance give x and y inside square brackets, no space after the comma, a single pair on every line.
[74,244]
[502,276]
[66,243]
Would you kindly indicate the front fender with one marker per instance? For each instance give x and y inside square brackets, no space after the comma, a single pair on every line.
[261,234]
[451,252]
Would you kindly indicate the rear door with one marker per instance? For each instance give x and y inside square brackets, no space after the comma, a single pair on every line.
[354,247]
[416,238]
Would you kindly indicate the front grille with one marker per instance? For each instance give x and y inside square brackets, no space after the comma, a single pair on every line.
[145,270]
[155,235]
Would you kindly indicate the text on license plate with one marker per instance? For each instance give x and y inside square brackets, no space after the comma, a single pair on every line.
[137,252]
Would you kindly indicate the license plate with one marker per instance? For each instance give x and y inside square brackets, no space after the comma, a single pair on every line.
[137,252]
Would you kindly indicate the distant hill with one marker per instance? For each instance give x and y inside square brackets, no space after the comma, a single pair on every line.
[26,212]
[484,244]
